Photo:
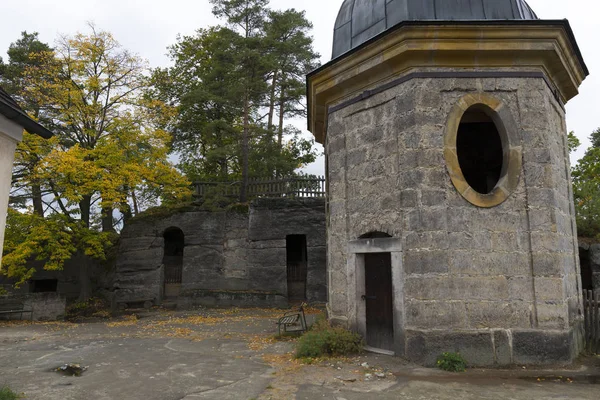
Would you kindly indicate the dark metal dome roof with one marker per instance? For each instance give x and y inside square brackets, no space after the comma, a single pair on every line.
[360,20]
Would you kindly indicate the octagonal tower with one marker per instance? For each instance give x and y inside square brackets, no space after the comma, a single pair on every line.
[451,224]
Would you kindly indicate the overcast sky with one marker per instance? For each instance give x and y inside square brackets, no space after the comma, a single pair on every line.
[147,27]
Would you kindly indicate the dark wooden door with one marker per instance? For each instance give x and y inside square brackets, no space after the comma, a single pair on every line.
[379,303]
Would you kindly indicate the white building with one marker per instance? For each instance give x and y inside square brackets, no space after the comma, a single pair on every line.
[13,120]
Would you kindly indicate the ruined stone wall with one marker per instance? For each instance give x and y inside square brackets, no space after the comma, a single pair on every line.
[230,258]
[487,278]
[45,306]
[69,279]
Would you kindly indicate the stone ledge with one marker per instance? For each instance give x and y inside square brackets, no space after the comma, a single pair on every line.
[497,347]
[231,298]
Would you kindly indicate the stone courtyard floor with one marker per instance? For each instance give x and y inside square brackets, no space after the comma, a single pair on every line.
[232,354]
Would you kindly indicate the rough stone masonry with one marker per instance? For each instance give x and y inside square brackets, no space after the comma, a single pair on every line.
[424,257]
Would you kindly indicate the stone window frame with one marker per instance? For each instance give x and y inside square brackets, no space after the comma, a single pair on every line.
[355,270]
[511,147]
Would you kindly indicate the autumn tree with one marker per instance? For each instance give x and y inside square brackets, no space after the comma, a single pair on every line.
[107,153]
[586,187]
[92,87]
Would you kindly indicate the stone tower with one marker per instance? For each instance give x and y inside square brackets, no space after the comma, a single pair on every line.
[450,211]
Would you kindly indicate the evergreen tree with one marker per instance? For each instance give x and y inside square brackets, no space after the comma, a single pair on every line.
[23,54]
[227,85]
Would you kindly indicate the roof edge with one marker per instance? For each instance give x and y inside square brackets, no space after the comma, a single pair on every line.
[564,23]
[10,109]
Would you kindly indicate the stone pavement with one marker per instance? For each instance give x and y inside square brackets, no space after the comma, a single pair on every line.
[231,354]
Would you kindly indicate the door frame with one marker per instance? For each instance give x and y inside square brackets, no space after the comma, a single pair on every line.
[355,273]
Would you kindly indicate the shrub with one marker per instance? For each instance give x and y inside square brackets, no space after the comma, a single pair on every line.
[94,306]
[7,394]
[3,291]
[452,362]
[323,339]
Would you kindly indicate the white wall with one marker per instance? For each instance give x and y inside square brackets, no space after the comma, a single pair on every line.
[10,134]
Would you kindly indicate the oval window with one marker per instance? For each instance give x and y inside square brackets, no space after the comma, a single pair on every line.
[479,150]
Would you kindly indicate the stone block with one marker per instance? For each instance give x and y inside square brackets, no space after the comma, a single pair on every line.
[542,197]
[506,241]
[475,263]
[430,158]
[436,177]
[127,244]
[549,289]
[477,240]
[547,263]
[435,314]
[456,288]
[520,288]
[502,347]
[139,260]
[426,241]
[408,158]
[426,219]
[408,198]
[423,347]
[495,314]
[552,315]
[532,347]
[544,242]
[433,197]
[539,175]
[425,262]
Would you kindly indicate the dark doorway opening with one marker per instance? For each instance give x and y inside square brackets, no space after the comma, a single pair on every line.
[587,282]
[379,301]
[297,266]
[479,150]
[173,261]
[43,285]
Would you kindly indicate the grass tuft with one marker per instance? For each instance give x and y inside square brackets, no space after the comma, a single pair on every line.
[7,394]
[452,362]
[326,340]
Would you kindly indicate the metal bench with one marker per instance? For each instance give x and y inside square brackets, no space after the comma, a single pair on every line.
[10,307]
[293,318]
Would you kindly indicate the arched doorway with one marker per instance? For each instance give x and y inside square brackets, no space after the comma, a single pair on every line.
[173,261]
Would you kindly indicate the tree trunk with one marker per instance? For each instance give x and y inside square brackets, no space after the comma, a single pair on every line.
[245,151]
[272,101]
[84,207]
[38,205]
[281,116]
[136,209]
[107,219]
[84,279]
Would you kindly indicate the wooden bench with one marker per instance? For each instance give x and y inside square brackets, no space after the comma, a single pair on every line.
[10,307]
[293,318]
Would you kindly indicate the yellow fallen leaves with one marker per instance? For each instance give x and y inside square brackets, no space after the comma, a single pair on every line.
[129,320]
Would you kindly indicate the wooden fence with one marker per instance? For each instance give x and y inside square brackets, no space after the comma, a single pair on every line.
[591,307]
[284,187]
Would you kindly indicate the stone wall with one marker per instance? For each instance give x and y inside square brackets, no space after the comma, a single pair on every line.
[501,285]
[230,258]
[45,306]
[79,268]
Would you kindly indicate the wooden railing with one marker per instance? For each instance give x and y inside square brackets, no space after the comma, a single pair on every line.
[591,307]
[261,187]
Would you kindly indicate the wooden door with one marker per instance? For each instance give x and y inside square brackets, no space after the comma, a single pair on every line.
[379,301]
